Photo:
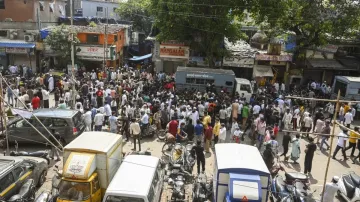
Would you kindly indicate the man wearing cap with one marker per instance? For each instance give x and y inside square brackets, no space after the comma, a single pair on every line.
[194,116]
[341,144]
[331,189]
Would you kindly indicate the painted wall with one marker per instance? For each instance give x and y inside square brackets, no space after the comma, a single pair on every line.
[89,9]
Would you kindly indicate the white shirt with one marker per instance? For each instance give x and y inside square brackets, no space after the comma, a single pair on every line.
[341,111]
[296,113]
[222,134]
[283,87]
[341,139]
[308,121]
[256,109]
[20,101]
[228,112]
[102,110]
[145,119]
[201,109]
[240,108]
[222,114]
[45,94]
[99,119]
[194,117]
[281,103]
[331,108]
[276,85]
[107,110]
[348,118]
[87,117]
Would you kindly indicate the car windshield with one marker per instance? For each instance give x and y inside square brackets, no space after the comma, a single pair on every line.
[74,191]
[123,199]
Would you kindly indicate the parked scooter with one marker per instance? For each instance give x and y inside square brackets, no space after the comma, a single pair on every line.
[202,190]
[177,178]
[349,187]
[41,154]
[284,191]
[189,158]
[26,193]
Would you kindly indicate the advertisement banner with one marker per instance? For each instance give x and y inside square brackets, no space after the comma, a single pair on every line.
[167,51]
[19,51]
[94,53]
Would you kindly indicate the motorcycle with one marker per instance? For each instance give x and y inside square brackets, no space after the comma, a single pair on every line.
[45,197]
[349,187]
[26,193]
[148,131]
[281,189]
[42,153]
[202,190]
[189,158]
[177,177]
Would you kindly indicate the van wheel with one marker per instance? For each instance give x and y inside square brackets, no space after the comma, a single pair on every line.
[42,178]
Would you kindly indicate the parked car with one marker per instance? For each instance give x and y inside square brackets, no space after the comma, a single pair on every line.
[15,171]
[67,123]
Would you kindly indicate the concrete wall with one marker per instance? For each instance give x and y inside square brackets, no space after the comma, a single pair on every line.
[90,9]
[19,11]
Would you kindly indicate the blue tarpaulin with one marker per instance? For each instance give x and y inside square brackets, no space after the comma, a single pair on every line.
[138,58]
[16,45]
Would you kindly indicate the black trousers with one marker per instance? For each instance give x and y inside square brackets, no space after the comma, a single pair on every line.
[337,150]
[353,146]
[286,149]
[46,103]
[201,161]
[358,156]
[216,139]
[137,137]
[308,163]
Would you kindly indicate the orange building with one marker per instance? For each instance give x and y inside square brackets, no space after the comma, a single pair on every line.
[91,49]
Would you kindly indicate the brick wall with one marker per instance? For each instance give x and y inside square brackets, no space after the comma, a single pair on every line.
[17,10]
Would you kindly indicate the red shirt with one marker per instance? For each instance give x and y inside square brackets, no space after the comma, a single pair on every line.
[35,102]
[173,126]
[99,93]
[276,131]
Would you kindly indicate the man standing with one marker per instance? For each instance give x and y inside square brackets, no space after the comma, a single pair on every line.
[87,120]
[173,126]
[98,120]
[244,114]
[222,135]
[326,131]
[200,156]
[216,130]
[348,118]
[352,141]
[285,143]
[309,155]
[208,137]
[45,95]
[35,102]
[341,144]
[331,189]
[135,132]
[107,110]
[199,129]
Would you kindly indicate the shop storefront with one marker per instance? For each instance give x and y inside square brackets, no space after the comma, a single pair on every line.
[93,57]
[168,56]
[17,53]
[279,64]
[243,68]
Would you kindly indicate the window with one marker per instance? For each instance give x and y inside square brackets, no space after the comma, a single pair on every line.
[123,199]
[92,38]
[99,9]
[45,121]
[95,184]
[18,172]
[115,38]
[229,83]
[200,81]
[151,194]
[2,4]
[6,181]
[3,33]
[59,122]
[210,81]
[190,80]
[114,9]
[41,5]
[340,86]
[156,179]
[245,87]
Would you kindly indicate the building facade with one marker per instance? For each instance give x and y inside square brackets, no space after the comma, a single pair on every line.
[105,9]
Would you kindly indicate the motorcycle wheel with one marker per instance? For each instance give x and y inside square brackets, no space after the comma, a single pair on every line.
[42,178]
[161,135]
[167,147]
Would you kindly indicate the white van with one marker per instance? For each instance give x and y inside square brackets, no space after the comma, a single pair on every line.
[244,86]
[349,87]
[139,179]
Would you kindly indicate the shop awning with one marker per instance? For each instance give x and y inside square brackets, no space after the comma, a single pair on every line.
[138,58]
[10,44]
[262,71]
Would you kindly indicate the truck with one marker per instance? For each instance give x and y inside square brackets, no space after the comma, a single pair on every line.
[90,162]
[349,87]
[223,79]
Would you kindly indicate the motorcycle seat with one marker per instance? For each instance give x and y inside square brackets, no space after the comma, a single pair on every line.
[349,186]
[25,191]
[176,166]
[355,178]
[291,176]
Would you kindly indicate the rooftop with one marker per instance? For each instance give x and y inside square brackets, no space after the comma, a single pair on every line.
[327,64]
[100,28]
[240,49]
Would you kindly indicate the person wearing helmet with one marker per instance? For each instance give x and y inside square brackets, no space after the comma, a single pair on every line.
[331,189]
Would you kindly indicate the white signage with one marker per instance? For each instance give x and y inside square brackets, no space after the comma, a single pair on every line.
[206,76]
[18,50]
[91,51]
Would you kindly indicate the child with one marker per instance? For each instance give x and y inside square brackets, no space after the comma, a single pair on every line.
[276,129]
[236,135]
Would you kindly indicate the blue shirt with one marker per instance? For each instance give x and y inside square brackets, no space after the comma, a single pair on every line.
[113,122]
[93,113]
[199,129]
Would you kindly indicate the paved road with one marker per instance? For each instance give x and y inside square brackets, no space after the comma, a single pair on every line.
[337,167]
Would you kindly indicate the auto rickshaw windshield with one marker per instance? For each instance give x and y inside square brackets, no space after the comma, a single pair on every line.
[74,191]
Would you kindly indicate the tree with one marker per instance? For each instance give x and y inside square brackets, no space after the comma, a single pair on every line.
[136,11]
[315,22]
[202,24]
[60,42]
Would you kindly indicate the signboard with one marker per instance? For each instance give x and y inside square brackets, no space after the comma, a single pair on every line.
[79,166]
[328,48]
[19,51]
[235,62]
[280,58]
[169,51]
[95,53]
[204,76]
[277,63]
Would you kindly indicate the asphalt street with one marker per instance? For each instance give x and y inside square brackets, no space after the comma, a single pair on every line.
[336,167]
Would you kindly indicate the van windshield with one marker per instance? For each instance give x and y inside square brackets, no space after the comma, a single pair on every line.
[245,87]
[74,191]
[123,199]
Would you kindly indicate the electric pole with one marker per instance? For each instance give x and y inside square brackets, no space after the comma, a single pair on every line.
[72,57]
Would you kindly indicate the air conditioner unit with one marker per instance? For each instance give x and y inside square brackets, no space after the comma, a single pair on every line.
[29,38]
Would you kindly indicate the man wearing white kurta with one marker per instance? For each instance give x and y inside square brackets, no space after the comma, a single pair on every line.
[51,83]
